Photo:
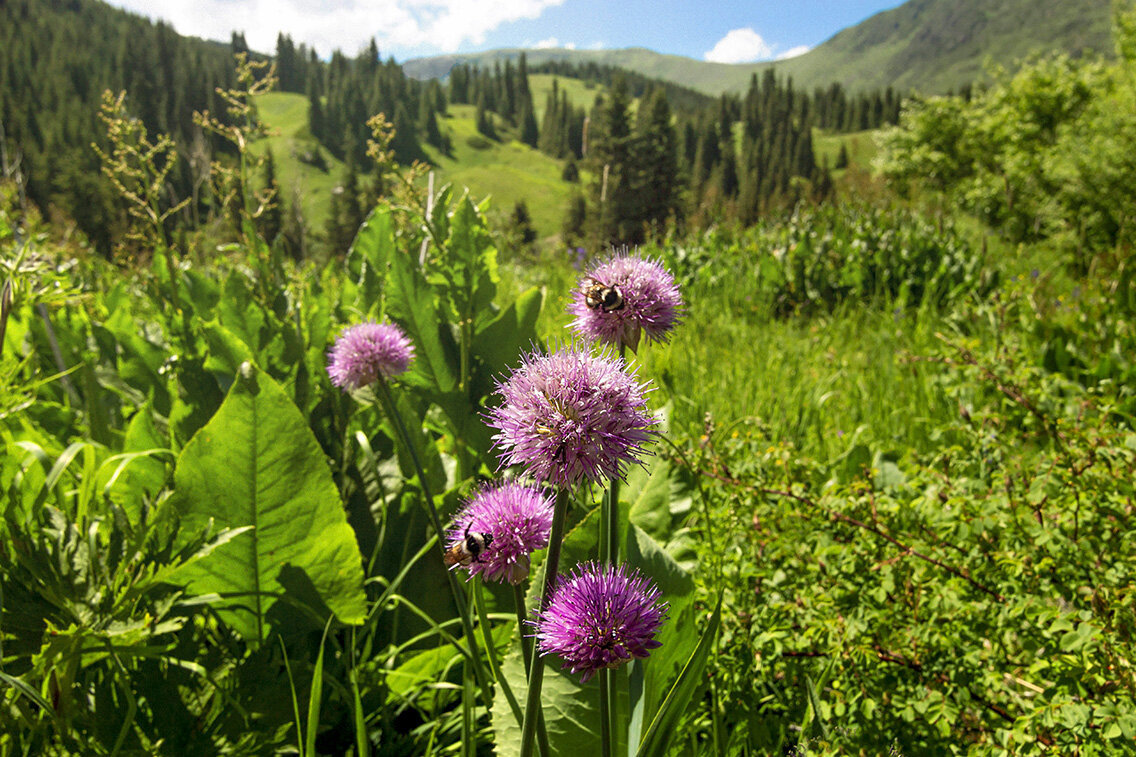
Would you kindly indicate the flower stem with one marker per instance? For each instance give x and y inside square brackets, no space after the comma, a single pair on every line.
[606,690]
[522,617]
[536,673]
[609,556]
[391,410]
[526,654]
[487,635]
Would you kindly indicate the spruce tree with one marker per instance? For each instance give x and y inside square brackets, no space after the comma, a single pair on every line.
[613,193]
[656,162]
[271,219]
[529,132]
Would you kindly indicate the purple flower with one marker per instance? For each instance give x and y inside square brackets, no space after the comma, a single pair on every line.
[518,519]
[364,352]
[623,298]
[600,617]
[571,416]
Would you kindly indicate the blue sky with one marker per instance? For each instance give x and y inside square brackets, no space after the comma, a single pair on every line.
[728,32]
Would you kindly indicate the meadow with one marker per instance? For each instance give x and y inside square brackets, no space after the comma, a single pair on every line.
[878,475]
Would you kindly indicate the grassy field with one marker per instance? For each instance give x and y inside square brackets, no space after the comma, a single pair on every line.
[504,170]
[580,94]
[860,146]
[286,115]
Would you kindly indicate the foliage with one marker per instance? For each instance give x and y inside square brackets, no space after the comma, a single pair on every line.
[823,257]
[1044,154]
[973,596]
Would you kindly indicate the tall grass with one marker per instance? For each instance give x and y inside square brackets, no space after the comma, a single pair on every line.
[812,383]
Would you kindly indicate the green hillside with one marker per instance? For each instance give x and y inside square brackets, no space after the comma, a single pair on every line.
[928,45]
[937,45]
[286,115]
[506,170]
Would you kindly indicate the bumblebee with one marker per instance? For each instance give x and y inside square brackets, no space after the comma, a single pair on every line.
[469,549]
[600,296]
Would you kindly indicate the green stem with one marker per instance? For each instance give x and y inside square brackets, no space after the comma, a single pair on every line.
[606,690]
[536,674]
[387,401]
[609,556]
[526,653]
[522,617]
[487,635]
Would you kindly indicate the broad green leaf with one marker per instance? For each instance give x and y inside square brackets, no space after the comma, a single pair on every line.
[498,344]
[654,494]
[226,350]
[571,709]
[412,304]
[678,634]
[368,258]
[678,698]
[257,464]
[140,472]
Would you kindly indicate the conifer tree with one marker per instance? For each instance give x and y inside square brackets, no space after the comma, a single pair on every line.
[529,132]
[656,162]
[613,192]
[271,220]
[483,120]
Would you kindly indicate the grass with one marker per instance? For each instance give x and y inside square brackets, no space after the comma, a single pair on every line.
[504,170]
[286,115]
[580,94]
[816,383]
[860,146]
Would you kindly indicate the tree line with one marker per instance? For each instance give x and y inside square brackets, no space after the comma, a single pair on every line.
[677,156]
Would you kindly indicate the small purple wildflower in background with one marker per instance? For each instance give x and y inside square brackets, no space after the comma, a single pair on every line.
[364,352]
[646,301]
[600,617]
[571,416]
[517,517]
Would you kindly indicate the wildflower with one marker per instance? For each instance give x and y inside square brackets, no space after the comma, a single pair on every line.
[364,352]
[571,416]
[518,519]
[600,617]
[624,298]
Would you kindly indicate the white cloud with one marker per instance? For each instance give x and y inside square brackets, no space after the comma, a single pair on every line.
[431,25]
[740,46]
[551,43]
[793,52]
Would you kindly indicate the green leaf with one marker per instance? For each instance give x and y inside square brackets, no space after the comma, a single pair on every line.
[665,722]
[315,697]
[412,304]
[257,464]
[369,256]
[226,350]
[678,634]
[571,709]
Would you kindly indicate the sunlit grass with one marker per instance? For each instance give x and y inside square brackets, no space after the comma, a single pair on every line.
[810,382]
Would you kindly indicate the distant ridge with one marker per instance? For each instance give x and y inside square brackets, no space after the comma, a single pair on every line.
[928,45]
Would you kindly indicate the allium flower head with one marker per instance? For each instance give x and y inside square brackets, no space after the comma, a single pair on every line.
[600,617]
[623,298]
[364,352]
[518,517]
[571,416]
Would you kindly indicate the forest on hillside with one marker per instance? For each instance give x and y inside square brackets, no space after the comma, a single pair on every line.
[729,158]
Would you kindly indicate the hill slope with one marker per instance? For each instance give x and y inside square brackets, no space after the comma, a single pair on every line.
[929,45]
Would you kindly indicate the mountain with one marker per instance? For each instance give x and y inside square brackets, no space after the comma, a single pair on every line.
[928,45]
